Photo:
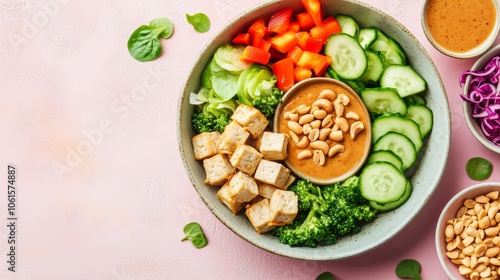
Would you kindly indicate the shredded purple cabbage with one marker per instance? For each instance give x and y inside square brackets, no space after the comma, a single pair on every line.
[484,96]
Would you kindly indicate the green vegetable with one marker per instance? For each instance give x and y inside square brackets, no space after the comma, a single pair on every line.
[325,276]
[199,21]
[208,122]
[478,168]
[194,233]
[144,43]
[409,268]
[325,213]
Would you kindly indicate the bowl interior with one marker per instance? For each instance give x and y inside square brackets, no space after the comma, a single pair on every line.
[425,179]
[477,51]
[449,212]
[298,87]
[472,124]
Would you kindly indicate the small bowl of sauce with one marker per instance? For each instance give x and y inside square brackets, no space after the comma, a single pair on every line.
[329,129]
[461,28]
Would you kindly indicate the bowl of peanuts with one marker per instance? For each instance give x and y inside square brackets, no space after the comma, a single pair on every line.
[467,233]
[329,129]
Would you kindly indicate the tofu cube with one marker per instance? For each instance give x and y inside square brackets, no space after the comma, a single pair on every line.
[233,205]
[258,214]
[205,144]
[251,119]
[289,182]
[266,190]
[242,187]
[233,135]
[272,173]
[218,169]
[274,146]
[245,158]
[283,208]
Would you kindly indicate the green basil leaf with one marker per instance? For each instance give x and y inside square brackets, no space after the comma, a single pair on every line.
[325,276]
[478,168]
[409,269]
[166,23]
[199,21]
[143,44]
[194,233]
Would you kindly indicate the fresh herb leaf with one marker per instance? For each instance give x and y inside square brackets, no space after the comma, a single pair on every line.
[163,22]
[199,21]
[325,276]
[144,43]
[478,168]
[194,233]
[409,268]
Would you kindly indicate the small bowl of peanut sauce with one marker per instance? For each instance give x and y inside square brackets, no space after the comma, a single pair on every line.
[461,28]
[329,129]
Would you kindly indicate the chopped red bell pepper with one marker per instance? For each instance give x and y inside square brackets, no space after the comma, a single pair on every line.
[257,55]
[315,61]
[258,29]
[242,39]
[278,23]
[261,43]
[313,7]
[305,20]
[295,26]
[313,45]
[302,38]
[284,42]
[301,73]
[295,53]
[283,70]
[328,27]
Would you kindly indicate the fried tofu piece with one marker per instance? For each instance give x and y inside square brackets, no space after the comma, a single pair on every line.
[218,169]
[242,187]
[258,214]
[245,158]
[283,208]
[289,182]
[274,146]
[205,144]
[233,205]
[233,135]
[272,173]
[251,119]
[266,190]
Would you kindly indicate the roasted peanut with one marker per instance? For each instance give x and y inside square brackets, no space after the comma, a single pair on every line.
[336,135]
[318,157]
[319,114]
[342,123]
[323,133]
[307,118]
[303,109]
[295,127]
[313,135]
[304,154]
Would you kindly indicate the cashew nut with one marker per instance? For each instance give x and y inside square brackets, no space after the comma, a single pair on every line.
[294,136]
[304,154]
[344,99]
[320,145]
[303,143]
[328,94]
[342,123]
[325,104]
[339,108]
[356,128]
[337,148]
[351,115]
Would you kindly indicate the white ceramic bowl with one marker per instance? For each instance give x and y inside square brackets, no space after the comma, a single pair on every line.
[473,125]
[477,51]
[449,212]
[425,179]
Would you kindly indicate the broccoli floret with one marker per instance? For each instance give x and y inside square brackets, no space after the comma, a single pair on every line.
[206,122]
[326,213]
[267,103]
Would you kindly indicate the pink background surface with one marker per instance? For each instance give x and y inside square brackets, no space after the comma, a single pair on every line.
[118,209]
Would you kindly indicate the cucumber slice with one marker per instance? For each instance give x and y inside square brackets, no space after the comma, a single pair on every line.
[391,50]
[348,25]
[387,156]
[404,79]
[395,204]
[415,100]
[374,69]
[423,116]
[400,145]
[383,100]
[348,57]
[367,36]
[397,123]
[382,182]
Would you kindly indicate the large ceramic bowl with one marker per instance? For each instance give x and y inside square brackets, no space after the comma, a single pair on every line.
[425,179]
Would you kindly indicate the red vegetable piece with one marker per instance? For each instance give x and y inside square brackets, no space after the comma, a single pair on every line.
[313,45]
[261,43]
[294,26]
[295,53]
[315,61]
[242,39]
[257,55]
[328,27]
[258,29]
[305,20]
[284,42]
[313,7]
[283,70]
[279,22]
[302,38]
[301,73]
